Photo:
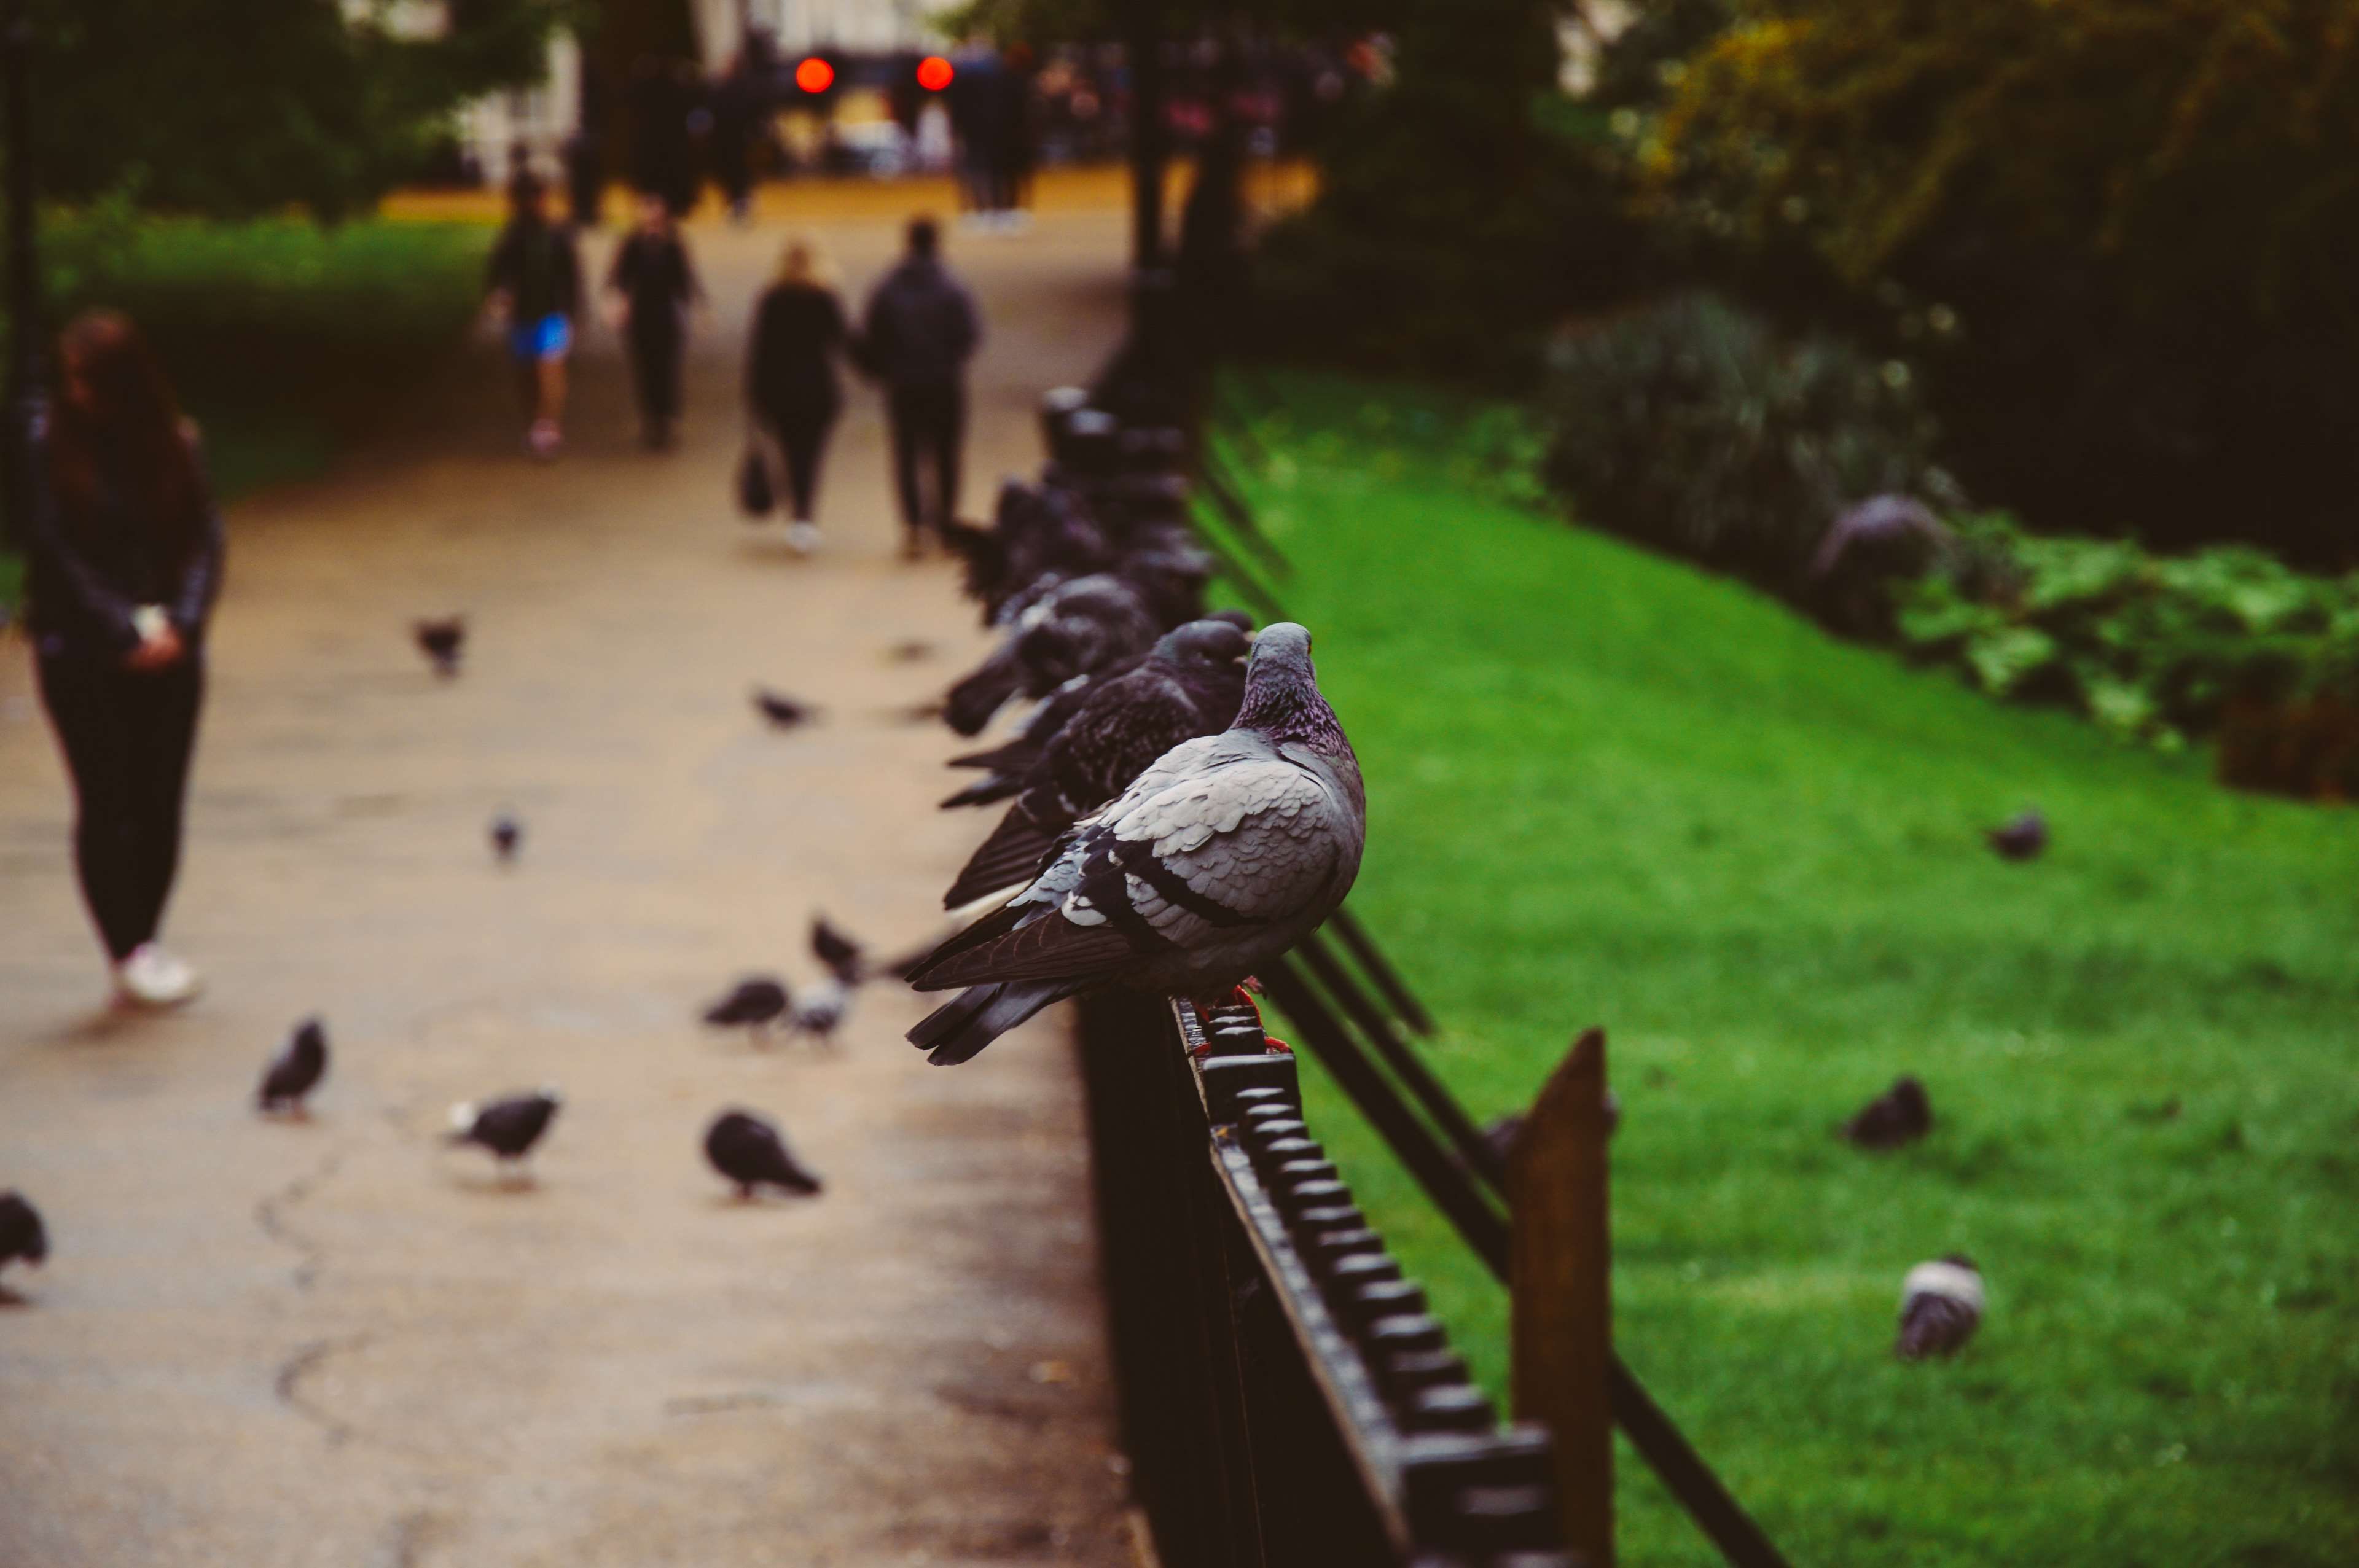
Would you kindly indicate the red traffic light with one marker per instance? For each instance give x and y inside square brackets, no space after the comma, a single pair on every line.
[814,75]
[934,74]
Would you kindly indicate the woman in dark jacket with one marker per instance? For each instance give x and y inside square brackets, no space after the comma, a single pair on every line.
[791,389]
[124,559]
[653,285]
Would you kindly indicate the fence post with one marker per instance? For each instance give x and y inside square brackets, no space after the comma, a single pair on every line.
[1561,1290]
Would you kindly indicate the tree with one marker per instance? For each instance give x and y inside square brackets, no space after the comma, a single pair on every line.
[2131,228]
[235,107]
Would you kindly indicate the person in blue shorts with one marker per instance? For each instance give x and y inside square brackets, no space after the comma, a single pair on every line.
[535,285]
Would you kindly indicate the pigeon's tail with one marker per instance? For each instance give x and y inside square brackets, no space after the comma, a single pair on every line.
[1012,855]
[998,787]
[974,700]
[1015,757]
[959,1029]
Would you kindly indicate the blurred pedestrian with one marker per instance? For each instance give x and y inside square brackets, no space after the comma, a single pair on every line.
[792,394]
[653,285]
[916,337]
[124,549]
[535,286]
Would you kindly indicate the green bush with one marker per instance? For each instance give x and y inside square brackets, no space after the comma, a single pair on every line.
[1695,429]
[2155,649]
[2116,235]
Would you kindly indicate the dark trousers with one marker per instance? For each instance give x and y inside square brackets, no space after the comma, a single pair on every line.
[126,739]
[801,437]
[929,427]
[655,374]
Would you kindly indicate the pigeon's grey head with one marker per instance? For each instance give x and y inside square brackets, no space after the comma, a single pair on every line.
[1213,642]
[1282,700]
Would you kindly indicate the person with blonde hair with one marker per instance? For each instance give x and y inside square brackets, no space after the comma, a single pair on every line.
[792,392]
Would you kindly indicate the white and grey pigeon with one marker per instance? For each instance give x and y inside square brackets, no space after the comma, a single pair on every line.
[1222,855]
[1941,1306]
[819,1010]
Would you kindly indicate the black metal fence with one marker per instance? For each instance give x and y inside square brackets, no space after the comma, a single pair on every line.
[1286,1397]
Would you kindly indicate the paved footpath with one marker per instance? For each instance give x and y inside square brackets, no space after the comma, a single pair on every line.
[339,1344]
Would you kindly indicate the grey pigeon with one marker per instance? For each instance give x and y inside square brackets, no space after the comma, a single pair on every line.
[1010,764]
[22,1237]
[1940,1307]
[297,1070]
[783,711]
[441,641]
[507,834]
[508,1127]
[753,1002]
[2022,838]
[749,1151]
[1901,1114]
[1189,685]
[845,958]
[1074,628]
[1221,856]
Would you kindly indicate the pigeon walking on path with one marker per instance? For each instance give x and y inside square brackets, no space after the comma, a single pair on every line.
[1901,1114]
[1940,1307]
[507,1127]
[782,711]
[1221,856]
[441,641]
[749,1151]
[755,1003]
[295,1071]
[22,1237]
[1189,685]
[819,1011]
[508,835]
[2023,839]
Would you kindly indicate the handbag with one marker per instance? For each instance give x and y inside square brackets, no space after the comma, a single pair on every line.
[753,483]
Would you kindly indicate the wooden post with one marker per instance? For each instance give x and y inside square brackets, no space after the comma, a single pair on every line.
[1560,1293]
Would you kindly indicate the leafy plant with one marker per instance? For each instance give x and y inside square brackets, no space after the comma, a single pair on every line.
[1696,428]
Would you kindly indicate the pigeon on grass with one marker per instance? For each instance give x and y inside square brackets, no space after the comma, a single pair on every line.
[295,1071]
[1901,1114]
[748,1150]
[1219,858]
[1189,685]
[441,641]
[1940,1307]
[508,1127]
[22,1237]
[2024,838]
[754,1003]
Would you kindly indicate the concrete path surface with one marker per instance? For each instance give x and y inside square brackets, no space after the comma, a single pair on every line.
[338,1343]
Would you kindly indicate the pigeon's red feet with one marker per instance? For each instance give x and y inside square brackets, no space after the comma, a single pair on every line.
[1272,1045]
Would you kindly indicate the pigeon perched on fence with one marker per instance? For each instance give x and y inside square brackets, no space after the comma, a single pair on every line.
[507,834]
[754,1003]
[1189,685]
[1940,1307]
[749,1151]
[1901,1114]
[1075,628]
[297,1070]
[441,641]
[1008,763]
[23,1238]
[508,1127]
[1217,859]
[2023,839]
[783,711]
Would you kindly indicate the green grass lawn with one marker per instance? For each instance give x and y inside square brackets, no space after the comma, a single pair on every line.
[282,337]
[1605,788]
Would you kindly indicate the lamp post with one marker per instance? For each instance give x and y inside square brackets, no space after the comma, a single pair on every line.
[24,280]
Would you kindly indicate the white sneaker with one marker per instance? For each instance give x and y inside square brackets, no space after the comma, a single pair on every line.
[152,977]
[802,537]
